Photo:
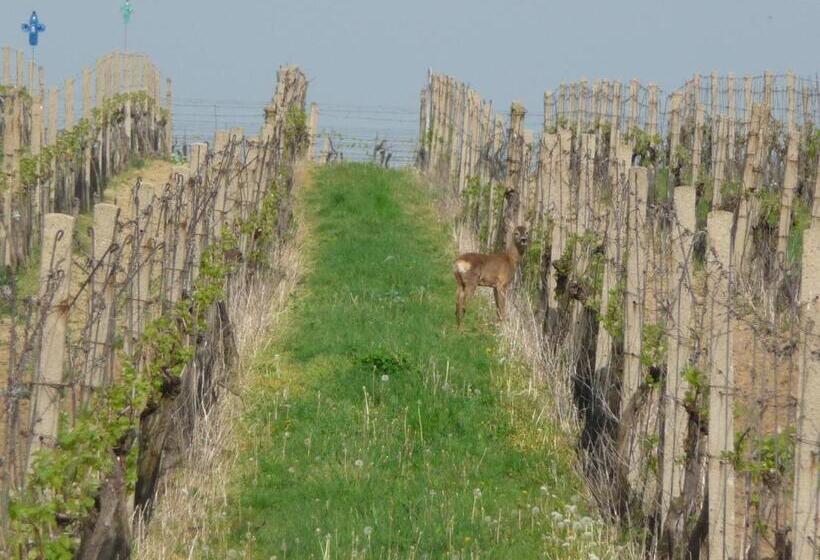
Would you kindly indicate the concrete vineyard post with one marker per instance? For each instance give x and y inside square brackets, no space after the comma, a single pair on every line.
[768,92]
[55,274]
[12,140]
[515,157]
[51,138]
[313,130]
[679,347]
[146,214]
[234,176]
[697,148]
[6,66]
[815,209]
[582,107]
[714,113]
[549,111]
[787,196]
[615,120]
[653,110]
[32,78]
[69,104]
[21,65]
[748,101]
[169,121]
[36,125]
[562,103]
[102,305]
[674,128]
[633,104]
[586,205]
[719,162]
[721,478]
[791,94]
[732,98]
[635,282]
[751,172]
[806,480]
[86,93]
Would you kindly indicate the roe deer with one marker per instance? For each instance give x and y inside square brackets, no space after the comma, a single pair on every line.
[495,270]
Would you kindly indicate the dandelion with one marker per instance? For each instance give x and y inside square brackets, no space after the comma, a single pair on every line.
[477,493]
[287,435]
[359,463]
[488,519]
[368,531]
[544,490]
[571,509]
[535,510]
[385,378]
[291,470]
[556,516]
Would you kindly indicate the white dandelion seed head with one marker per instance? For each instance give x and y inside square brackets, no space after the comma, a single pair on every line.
[385,378]
[477,493]
[368,531]
[544,490]
[359,463]
[535,510]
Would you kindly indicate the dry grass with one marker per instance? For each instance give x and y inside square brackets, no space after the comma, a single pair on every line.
[191,503]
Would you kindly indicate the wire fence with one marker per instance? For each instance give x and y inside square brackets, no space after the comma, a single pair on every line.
[353,131]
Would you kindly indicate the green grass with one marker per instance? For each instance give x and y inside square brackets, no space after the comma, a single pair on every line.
[375,429]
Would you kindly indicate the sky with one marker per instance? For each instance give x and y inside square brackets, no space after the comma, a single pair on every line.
[365,53]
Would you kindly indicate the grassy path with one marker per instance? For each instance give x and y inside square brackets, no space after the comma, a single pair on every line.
[376,429]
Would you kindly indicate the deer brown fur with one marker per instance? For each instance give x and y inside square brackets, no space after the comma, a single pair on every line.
[494,270]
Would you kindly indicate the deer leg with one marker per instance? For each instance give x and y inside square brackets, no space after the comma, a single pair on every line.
[501,303]
[459,300]
[459,305]
[467,293]
[497,303]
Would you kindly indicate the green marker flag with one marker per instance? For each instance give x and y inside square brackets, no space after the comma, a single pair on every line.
[127,9]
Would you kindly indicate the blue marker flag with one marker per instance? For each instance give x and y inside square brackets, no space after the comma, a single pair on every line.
[33,28]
